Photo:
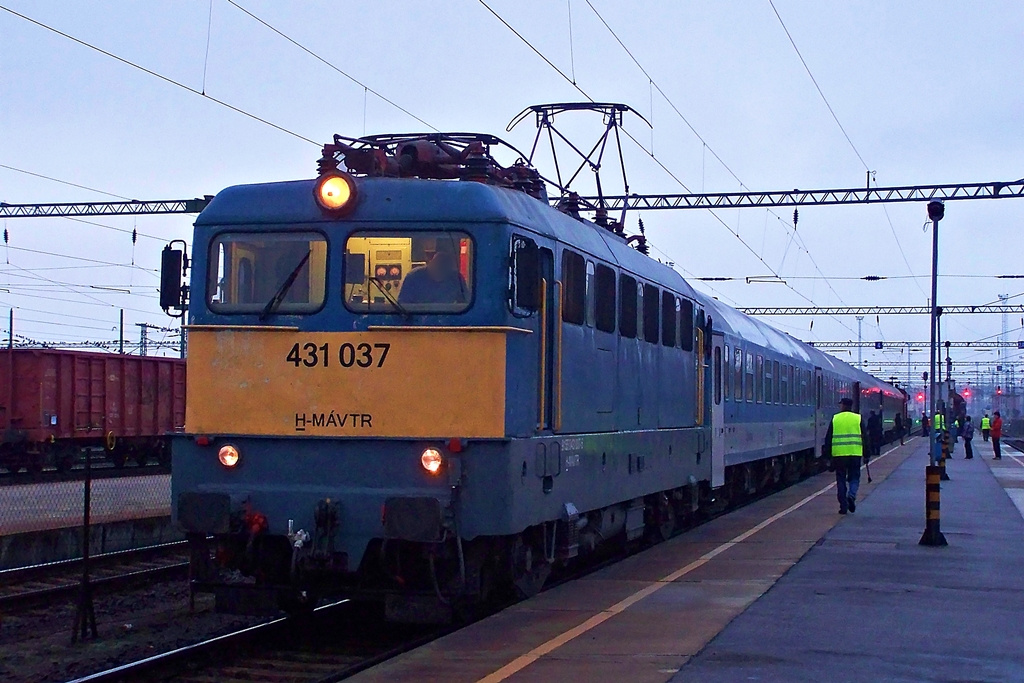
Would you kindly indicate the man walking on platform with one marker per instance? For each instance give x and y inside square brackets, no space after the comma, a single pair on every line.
[844,446]
[997,433]
[986,425]
[968,436]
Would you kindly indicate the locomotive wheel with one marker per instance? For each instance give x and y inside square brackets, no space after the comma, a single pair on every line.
[527,568]
[666,518]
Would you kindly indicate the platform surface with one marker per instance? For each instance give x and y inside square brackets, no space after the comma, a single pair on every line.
[784,589]
[870,604]
[56,505]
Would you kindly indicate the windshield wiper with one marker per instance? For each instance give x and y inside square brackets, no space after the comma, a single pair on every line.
[387,295]
[282,291]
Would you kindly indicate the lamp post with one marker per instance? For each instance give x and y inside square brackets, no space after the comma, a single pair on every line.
[936,210]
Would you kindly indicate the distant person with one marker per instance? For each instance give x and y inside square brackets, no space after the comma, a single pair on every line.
[875,434]
[986,426]
[924,425]
[844,446]
[898,425]
[968,437]
[996,432]
[438,282]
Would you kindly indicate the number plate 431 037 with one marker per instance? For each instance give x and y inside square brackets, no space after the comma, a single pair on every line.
[346,355]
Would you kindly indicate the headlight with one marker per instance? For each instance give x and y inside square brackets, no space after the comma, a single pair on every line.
[431,460]
[228,456]
[335,192]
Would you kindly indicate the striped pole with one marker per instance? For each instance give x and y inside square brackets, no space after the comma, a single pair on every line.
[932,534]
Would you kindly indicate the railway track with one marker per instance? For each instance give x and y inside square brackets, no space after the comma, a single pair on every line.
[332,643]
[335,642]
[28,587]
[100,469]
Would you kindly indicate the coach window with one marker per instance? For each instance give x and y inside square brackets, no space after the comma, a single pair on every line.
[686,325]
[727,375]
[252,272]
[651,326]
[777,396]
[749,379]
[627,306]
[669,307]
[591,299]
[759,379]
[574,287]
[768,383]
[792,386]
[737,373]
[718,375]
[605,299]
[784,385]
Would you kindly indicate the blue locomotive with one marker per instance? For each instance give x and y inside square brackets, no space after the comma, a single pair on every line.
[415,379]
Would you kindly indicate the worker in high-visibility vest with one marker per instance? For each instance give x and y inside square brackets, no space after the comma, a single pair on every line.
[940,421]
[986,426]
[844,445]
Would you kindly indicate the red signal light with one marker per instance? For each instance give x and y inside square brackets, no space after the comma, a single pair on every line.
[920,397]
[967,393]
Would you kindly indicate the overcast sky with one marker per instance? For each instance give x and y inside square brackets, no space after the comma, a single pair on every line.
[928,92]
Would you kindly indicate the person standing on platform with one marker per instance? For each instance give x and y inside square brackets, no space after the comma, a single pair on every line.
[898,426]
[986,425]
[996,432]
[874,434]
[844,445]
[968,437]
[924,425]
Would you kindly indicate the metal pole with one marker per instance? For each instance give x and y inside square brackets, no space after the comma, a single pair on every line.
[860,351]
[182,338]
[935,213]
[120,343]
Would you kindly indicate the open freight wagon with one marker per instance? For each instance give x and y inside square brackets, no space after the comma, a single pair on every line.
[54,404]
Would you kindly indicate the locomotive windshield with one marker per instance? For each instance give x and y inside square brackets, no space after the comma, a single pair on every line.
[267,273]
[422,272]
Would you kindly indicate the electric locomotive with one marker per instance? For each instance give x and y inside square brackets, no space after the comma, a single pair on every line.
[414,379]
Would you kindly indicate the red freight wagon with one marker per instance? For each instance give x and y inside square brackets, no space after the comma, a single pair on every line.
[54,403]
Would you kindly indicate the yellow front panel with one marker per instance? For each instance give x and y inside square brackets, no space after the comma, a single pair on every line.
[395,383]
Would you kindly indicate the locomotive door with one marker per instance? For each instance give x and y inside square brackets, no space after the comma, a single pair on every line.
[819,427]
[550,331]
[719,366]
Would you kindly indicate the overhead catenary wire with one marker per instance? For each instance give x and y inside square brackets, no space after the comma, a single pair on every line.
[637,142]
[63,182]
[160,76]
[333,66]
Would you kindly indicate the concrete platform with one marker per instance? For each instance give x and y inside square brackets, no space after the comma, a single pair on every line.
[729,601]
[42,522]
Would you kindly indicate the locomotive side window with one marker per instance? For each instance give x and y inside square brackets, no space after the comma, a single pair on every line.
[768,377]
[686,325]
[627,306]
[574,287]
[639,310]
[651,326]
[252,272]
[759,379]
[409,272]
[591,298]
[605,299]
[669,326]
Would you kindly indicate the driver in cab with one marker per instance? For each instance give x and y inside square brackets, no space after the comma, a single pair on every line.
[437,282]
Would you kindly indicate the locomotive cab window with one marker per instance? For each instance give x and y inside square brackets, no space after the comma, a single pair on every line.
[409,272]
[253,272]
